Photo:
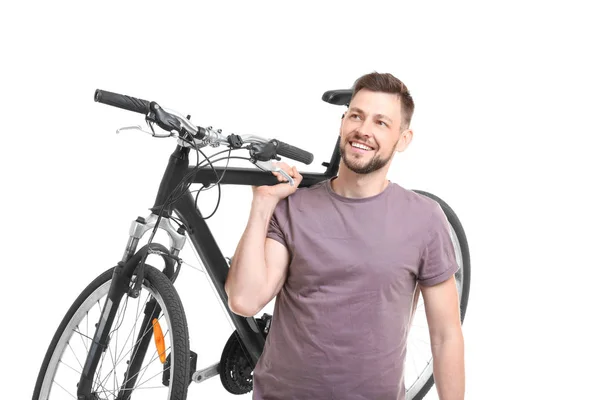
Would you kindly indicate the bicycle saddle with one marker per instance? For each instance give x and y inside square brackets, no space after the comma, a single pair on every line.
[339,97]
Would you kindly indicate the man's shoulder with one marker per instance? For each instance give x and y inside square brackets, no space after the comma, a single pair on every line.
[414,208]
[426,210]
[308,197]
[308,193]
[413,197]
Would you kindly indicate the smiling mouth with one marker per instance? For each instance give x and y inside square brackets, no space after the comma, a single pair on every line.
[360,146]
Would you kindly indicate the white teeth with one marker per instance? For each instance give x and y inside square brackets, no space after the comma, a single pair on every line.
[360,146]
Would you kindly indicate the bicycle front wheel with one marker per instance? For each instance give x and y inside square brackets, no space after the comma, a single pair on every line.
[161,373]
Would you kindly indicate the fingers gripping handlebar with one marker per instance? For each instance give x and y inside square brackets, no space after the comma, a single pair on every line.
[170,122]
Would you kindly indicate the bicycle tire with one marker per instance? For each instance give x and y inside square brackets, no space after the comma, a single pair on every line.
[465,275]
[92,297]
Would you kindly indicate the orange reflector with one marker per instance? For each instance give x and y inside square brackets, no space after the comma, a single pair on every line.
[159,340]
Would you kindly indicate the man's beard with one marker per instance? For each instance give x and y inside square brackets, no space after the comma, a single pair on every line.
[355,166]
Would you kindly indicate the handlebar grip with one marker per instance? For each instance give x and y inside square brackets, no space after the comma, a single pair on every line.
[295,153]
[125,102]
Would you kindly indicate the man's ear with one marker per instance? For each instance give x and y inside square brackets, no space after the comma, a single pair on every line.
[405,139]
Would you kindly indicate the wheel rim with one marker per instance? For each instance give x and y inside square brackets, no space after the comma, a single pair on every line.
[64,368]
[419,361]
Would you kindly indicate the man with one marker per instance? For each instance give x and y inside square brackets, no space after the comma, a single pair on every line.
[346,259]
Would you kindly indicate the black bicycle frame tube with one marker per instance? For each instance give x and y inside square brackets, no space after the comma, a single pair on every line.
[255,177]
[174,173]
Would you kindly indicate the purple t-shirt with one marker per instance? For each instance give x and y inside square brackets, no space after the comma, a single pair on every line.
[341,319]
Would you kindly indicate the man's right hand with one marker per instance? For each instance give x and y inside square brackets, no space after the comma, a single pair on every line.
[282,190]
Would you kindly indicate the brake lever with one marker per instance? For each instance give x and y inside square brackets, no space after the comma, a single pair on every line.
[139,128]
[135,127]
[269,166]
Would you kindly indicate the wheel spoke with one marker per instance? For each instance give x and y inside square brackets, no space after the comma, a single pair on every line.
[75,355]
[134,328]
[69,393]
[136,342]
[103,389]
[115,341]
[147,328]
[147,387]
[87,328]
[154,376]
[81,336]
[118,361]
[99,368]
[155,357]
[114,370]
[144,369]
[68,366]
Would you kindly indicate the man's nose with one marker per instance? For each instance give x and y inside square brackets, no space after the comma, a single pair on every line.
[365,128]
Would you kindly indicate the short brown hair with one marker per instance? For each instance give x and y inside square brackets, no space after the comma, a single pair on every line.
[388,83]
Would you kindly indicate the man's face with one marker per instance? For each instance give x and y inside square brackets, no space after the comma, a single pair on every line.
[370,131]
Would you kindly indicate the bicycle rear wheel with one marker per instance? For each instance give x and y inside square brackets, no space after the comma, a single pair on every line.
[163,373]
[419,361]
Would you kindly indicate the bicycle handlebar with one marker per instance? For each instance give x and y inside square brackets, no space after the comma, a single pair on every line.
[294,153]
[171,120]
[125,102]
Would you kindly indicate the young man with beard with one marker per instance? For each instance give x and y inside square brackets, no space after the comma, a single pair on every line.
[346,258]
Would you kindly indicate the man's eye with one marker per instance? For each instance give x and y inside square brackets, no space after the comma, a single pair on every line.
[382,123]
[354,116]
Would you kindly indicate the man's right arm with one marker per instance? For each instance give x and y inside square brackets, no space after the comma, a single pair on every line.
[259,265]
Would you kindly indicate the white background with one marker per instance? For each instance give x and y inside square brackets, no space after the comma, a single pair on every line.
[506,131]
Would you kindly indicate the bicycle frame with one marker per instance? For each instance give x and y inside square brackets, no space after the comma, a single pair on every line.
[203,242]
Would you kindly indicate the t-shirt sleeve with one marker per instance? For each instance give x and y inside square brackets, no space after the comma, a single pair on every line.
[278,223]
[438,259]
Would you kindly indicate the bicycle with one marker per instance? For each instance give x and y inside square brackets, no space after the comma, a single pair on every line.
[134,288]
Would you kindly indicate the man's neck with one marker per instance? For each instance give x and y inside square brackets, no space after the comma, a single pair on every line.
[356,186]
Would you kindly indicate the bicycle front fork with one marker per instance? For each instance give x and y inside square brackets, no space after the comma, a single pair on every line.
[120,286]
[142,225]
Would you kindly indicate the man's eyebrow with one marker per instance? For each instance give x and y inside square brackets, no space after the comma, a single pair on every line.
[381,116]
[377,116]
